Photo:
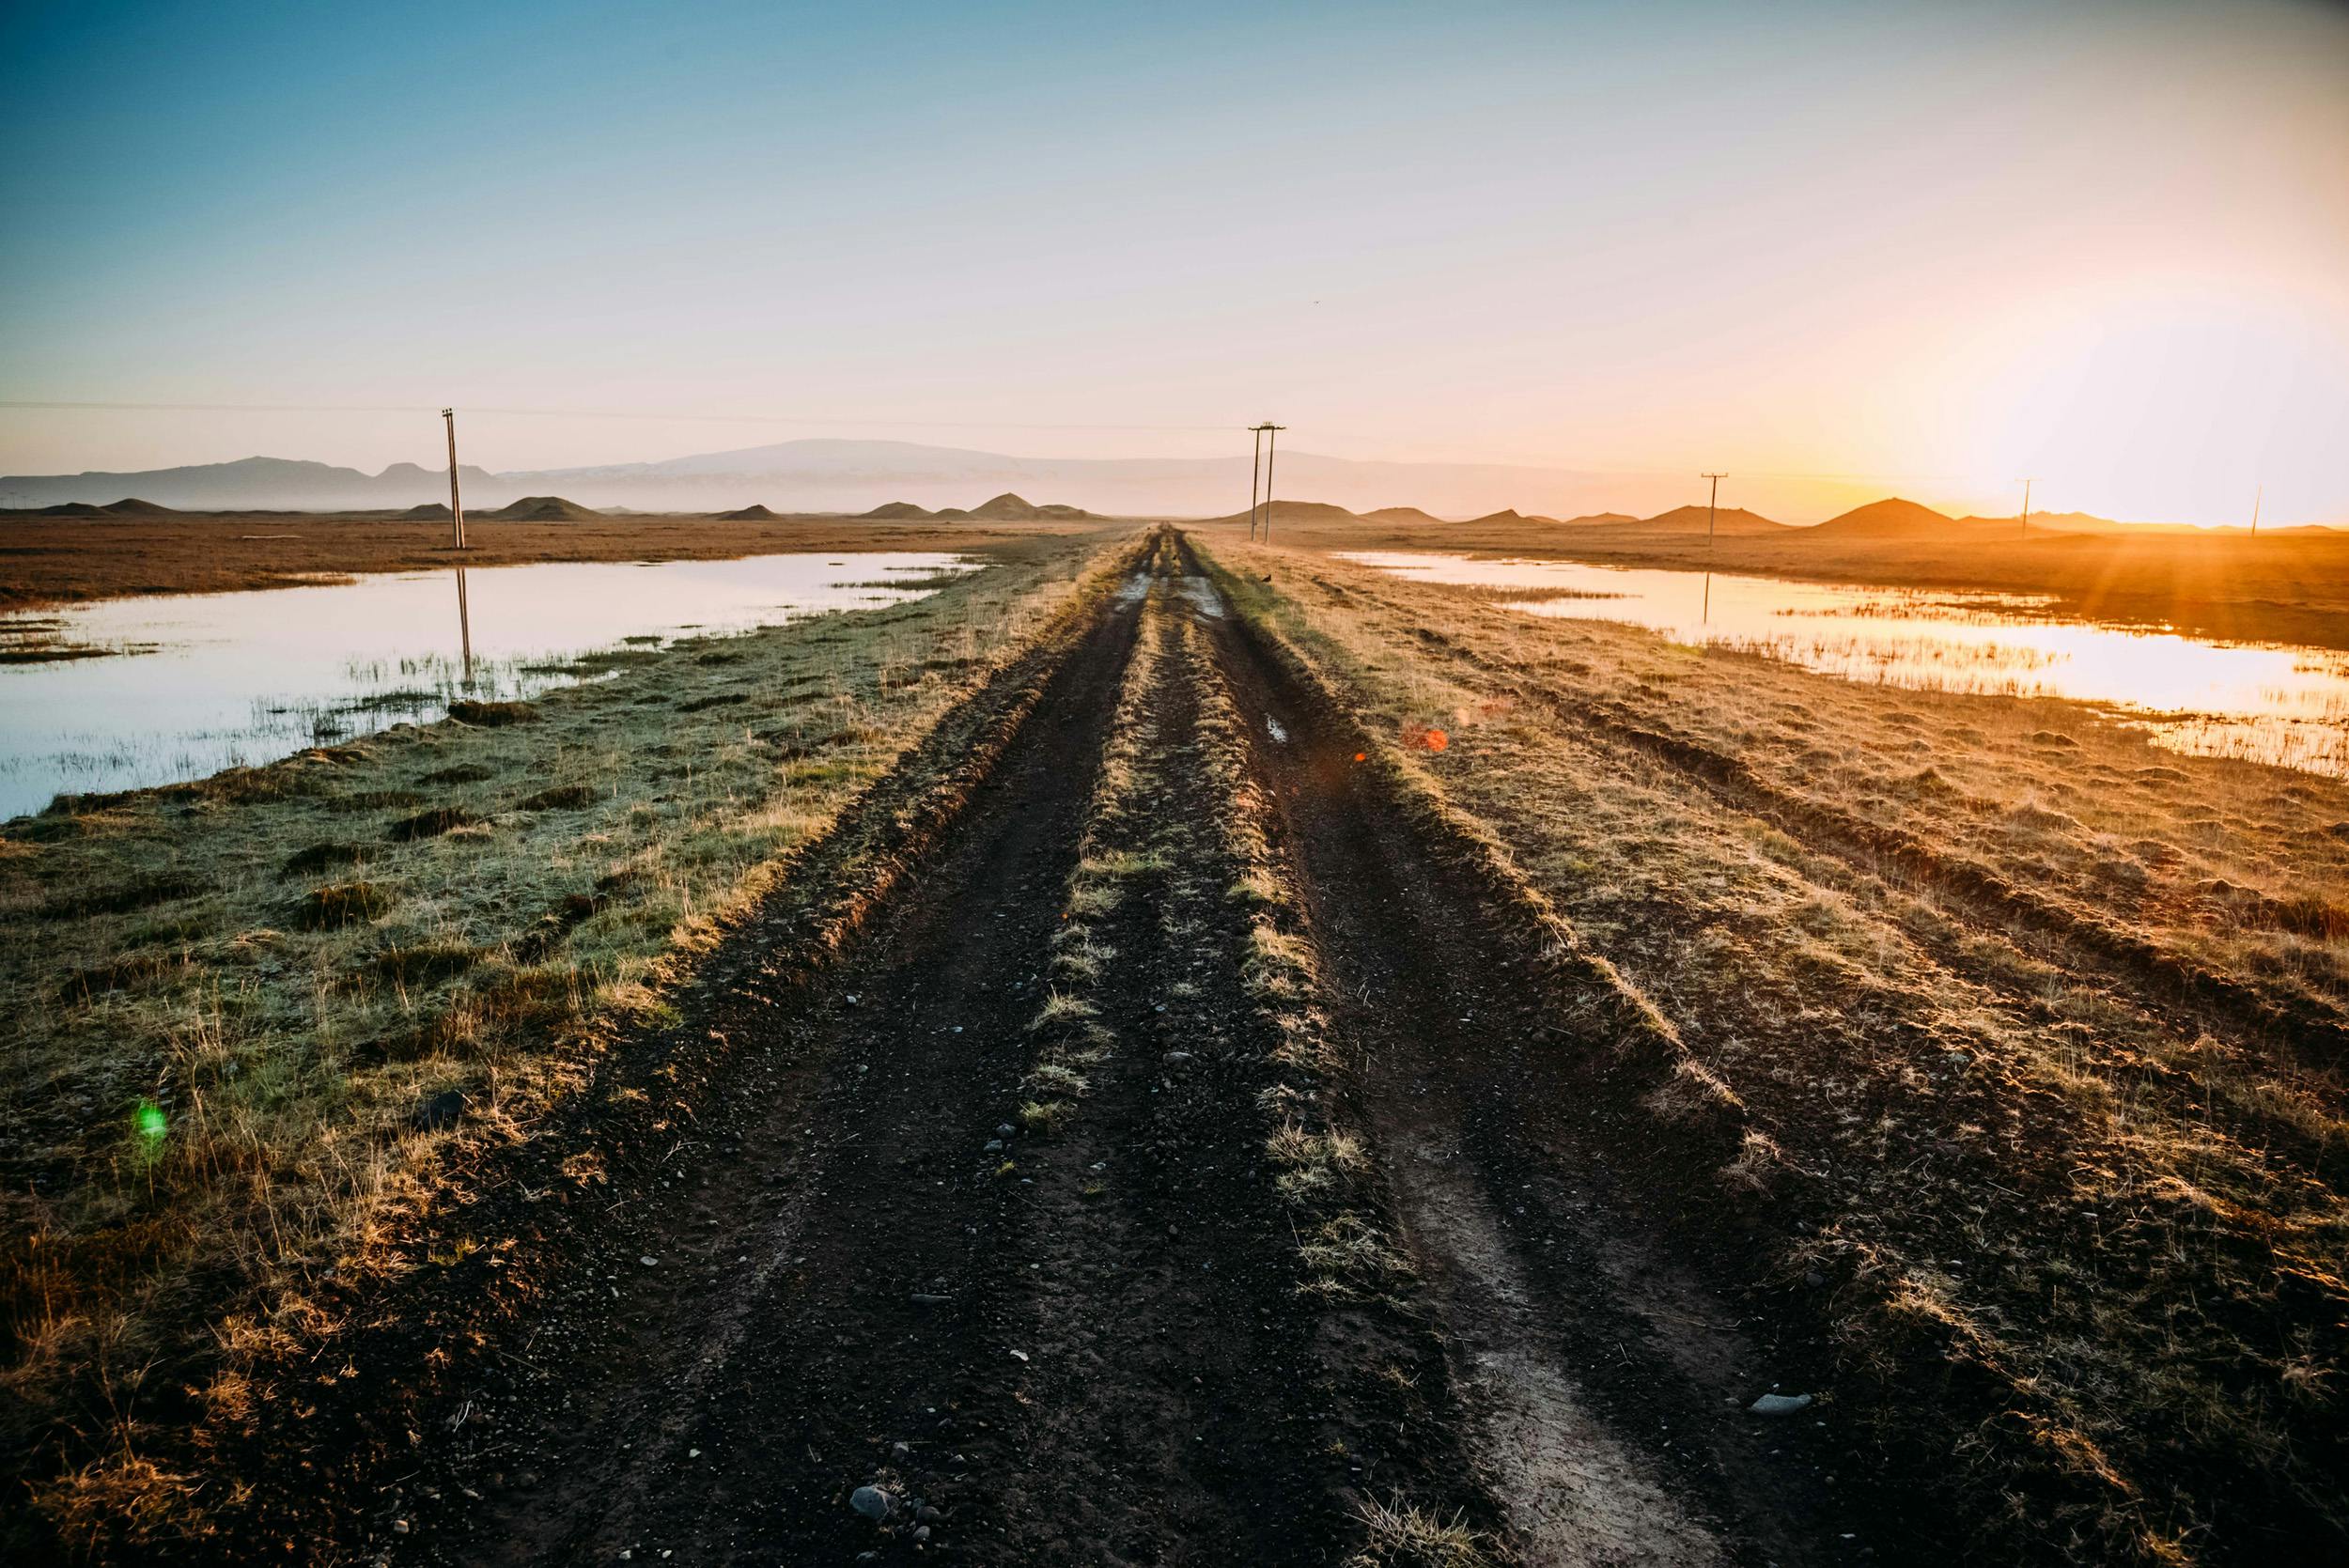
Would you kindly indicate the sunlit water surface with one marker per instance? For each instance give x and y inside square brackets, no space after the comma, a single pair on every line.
[2268,703]
[222,680]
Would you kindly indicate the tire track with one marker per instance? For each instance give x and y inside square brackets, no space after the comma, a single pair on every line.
[1604,1384]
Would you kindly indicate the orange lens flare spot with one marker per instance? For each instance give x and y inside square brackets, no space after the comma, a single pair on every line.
[1436,740]
[1361,756]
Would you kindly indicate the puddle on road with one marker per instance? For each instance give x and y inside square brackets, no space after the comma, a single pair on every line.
[207,681]
[1202,597]
[2270,703]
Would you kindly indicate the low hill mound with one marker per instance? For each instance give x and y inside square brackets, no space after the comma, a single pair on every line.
[431,511]
[1602,519]
[73,509]
[1890,518]
[898,511]
[1297,511]
[1690,520]
[1400,516]
[543,508]
[1509,516]
[132,506]
[1006,508]
[755,512]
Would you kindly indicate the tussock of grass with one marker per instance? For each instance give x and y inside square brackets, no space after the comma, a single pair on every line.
[342,904]
[1401,1536]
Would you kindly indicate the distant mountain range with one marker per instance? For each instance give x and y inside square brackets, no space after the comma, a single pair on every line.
[815,476]
[853,476]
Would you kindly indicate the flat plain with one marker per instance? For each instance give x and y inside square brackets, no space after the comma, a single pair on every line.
[1176,1049]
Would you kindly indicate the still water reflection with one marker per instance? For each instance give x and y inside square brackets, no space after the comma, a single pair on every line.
[209,682]
[2268,703]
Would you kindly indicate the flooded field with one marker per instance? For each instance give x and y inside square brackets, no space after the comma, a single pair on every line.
[155,690]
[2267,703]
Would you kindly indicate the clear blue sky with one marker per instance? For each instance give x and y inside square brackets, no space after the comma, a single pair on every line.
[1944,246]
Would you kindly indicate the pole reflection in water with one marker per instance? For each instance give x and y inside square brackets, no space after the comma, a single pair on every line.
[1705,619]
[464,627]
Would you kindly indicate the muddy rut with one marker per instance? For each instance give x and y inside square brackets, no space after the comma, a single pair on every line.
[978,1254]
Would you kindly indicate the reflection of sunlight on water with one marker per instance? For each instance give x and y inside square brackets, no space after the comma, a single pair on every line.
[237,679]
[2284,706]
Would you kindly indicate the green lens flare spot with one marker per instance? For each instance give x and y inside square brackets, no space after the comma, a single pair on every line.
[151,1122]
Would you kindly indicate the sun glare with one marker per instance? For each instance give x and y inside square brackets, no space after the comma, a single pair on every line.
[2170,405]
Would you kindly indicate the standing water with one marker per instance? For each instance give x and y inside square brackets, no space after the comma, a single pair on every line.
[207,681]
[2267,703]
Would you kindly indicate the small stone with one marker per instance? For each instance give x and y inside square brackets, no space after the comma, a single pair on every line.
[922,1532]
[1779,1405]
[929,1299]
[1005,1128]
[871,1501]
[649,1260]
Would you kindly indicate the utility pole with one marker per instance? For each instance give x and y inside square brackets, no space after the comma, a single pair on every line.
[1712,506]
[2257,496]
[1265,436]
[1255,472]
[1271,441]
[456,506]
[2026,532]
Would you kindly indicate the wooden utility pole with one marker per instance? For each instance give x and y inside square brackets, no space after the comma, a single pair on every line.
[1271,444]
[2026,532]
[456,506]
[2257,496]
[1711,506]
[1255,472]
[1263,437]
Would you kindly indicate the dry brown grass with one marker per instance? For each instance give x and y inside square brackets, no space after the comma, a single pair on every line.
[244,1013]
[2088,1228]
[65,560]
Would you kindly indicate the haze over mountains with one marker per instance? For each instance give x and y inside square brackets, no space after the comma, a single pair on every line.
[851,477]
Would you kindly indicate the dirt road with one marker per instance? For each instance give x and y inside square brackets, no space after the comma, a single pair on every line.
[983,1244]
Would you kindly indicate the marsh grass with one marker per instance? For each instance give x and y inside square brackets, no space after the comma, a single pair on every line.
[231,1003]
[2125,1215]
